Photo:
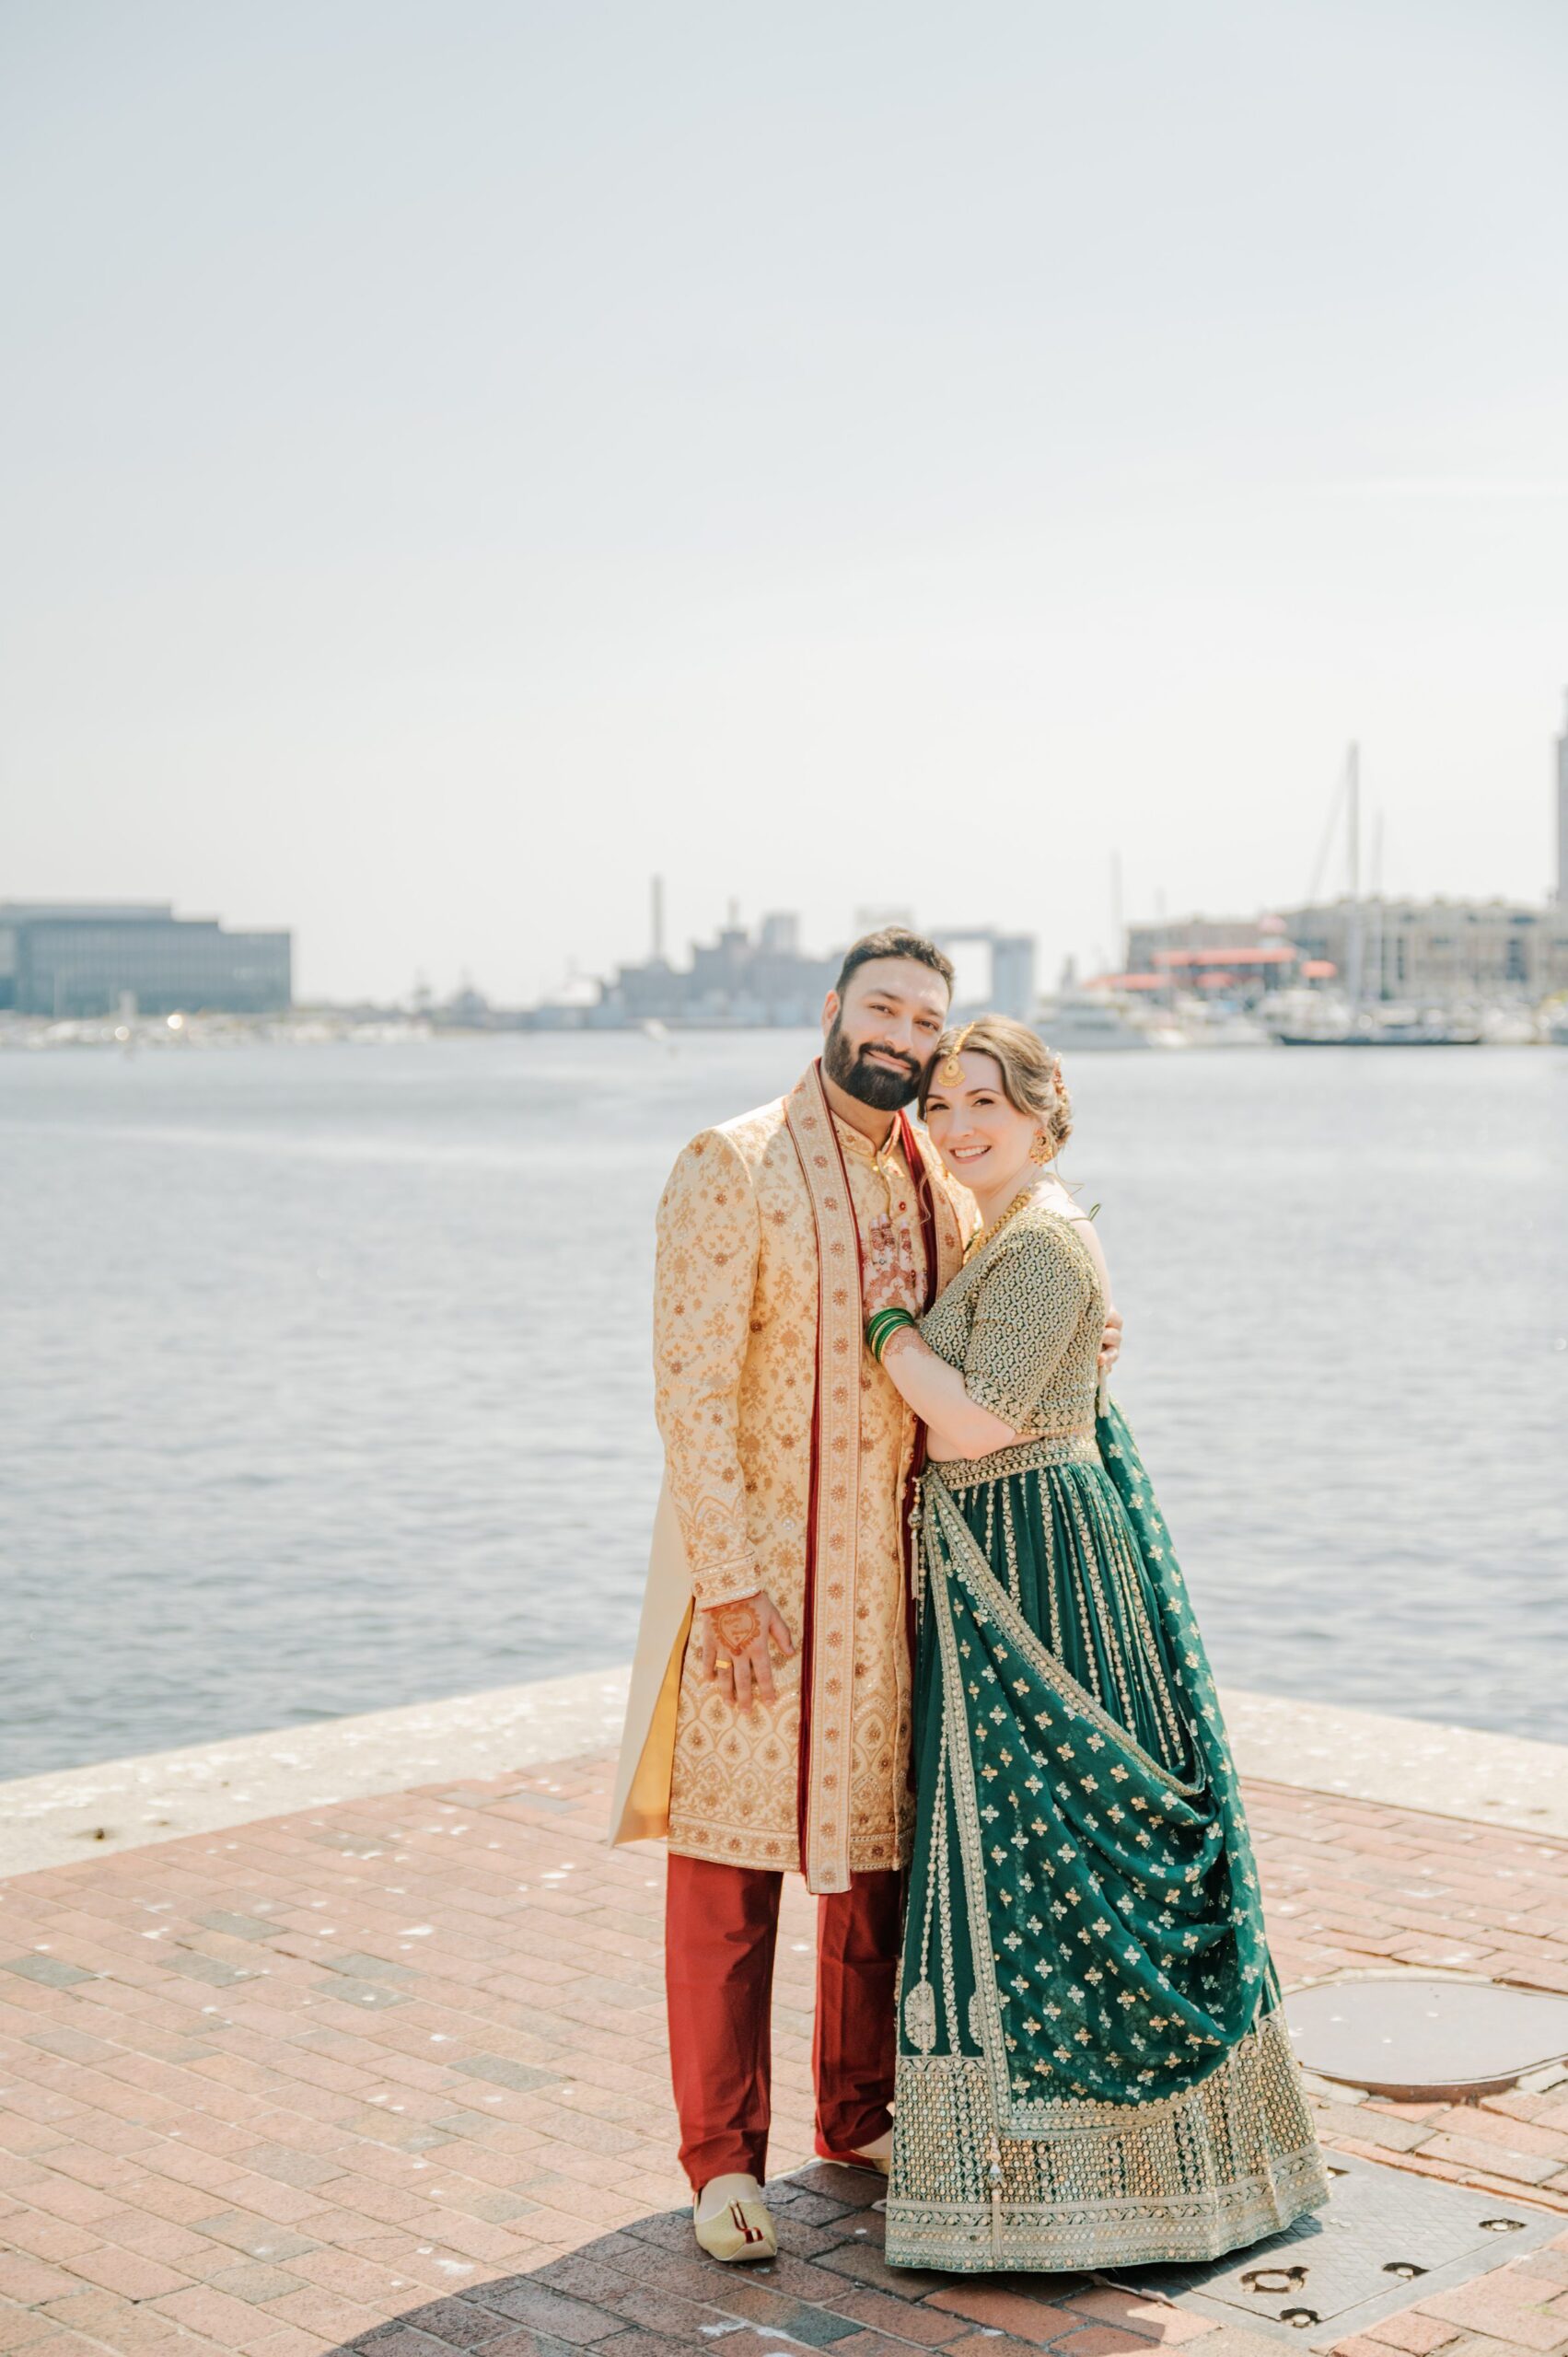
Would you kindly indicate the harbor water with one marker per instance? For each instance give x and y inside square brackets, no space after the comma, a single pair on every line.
[326,1380]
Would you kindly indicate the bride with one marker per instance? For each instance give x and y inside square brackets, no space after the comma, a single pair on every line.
[1093,2065]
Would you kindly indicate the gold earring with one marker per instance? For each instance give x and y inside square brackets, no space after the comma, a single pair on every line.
[1040,1150]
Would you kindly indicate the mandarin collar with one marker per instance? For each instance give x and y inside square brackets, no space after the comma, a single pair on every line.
[854,1141]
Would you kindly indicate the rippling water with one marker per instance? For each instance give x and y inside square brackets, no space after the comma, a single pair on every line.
[325,1380]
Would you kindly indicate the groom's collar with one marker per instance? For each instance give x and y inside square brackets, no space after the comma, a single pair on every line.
[857,1142]
[852,1140]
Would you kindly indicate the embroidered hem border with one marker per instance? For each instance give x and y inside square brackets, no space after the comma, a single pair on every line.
[1216,2169]
[826,1736]
[828,1636]
[742,1845]
[1065,2240]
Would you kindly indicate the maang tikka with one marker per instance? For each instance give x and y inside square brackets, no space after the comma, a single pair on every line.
[952,1071]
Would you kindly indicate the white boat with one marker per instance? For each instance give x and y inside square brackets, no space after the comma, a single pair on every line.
[1338,1025]
[1072,1021]
[1513,1027]
[1204,1026]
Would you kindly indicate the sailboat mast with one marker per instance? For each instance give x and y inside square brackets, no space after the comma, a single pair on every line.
[1379,982]
[1352,847]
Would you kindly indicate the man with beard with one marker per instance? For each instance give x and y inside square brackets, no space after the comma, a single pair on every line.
[768,1729]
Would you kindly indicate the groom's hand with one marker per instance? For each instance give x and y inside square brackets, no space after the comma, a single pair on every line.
[1110,1342]
[735,1640]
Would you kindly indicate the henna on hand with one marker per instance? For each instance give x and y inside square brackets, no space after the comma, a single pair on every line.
[739,1641]
[736,1626]
[890,1277]
[906,1337]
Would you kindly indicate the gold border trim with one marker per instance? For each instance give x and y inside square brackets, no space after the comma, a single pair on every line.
[1078,1447]
[828,1728]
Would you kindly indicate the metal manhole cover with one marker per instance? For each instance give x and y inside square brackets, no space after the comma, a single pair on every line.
[1384,2240]
[1412,2036]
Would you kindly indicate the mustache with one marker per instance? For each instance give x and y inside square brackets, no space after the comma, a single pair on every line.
[912,1064]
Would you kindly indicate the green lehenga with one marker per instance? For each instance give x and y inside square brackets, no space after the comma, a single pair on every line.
[1093,2063]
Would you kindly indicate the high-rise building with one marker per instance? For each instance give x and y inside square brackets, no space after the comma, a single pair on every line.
[1009,987]
[90,957]
[1012,974]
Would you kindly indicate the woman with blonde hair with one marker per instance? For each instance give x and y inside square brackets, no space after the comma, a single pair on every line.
[1094,2067]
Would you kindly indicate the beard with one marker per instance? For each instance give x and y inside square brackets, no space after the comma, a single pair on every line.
[869,1084]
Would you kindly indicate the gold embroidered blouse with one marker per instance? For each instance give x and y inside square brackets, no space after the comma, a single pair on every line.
[1023,1323]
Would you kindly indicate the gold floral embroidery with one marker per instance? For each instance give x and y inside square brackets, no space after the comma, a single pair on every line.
[735,1361]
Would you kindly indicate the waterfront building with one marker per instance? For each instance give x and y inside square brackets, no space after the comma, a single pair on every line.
[736,980]
[1439,953]
[1233,961]
[67,959]
[767,979]
[1144,941]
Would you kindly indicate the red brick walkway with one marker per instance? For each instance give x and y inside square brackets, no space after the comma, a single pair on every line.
[391,2077]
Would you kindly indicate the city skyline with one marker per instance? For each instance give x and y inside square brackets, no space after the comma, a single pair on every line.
[1088,950]
[452,473]
[756,913]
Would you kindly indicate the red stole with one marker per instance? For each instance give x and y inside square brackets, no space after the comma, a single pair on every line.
[833,1509]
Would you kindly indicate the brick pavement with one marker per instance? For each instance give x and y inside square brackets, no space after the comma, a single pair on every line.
[390,2077]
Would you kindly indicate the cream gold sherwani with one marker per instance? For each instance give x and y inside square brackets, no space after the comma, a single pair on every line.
[788,1457]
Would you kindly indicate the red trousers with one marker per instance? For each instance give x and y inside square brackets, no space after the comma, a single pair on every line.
[721,1926]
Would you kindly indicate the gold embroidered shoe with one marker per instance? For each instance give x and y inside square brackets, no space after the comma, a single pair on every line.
[731,2221]
[876,2155]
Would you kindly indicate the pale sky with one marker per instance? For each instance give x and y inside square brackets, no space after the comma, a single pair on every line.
[458,460]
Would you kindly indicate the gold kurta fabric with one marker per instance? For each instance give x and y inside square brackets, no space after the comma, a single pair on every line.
[736,1341]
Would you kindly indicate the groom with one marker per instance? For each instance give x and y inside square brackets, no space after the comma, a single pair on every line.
[768,1729]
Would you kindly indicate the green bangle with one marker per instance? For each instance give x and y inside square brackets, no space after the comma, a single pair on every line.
[880,1329]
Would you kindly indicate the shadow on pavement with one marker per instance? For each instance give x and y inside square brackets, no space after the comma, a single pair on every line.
[648,2289]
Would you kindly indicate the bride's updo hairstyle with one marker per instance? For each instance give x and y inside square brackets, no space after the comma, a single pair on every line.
[1031,1073]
